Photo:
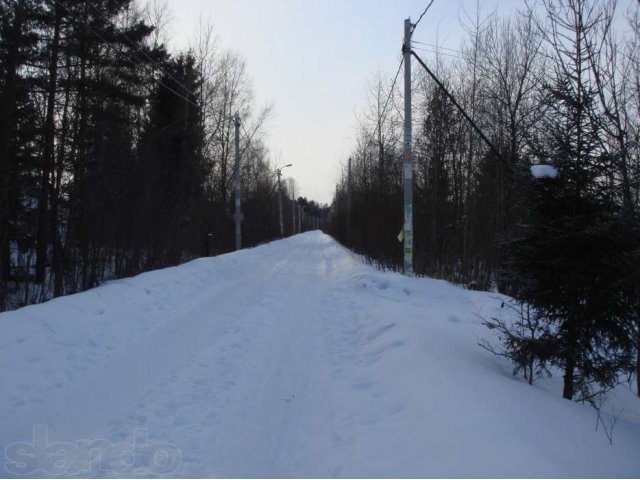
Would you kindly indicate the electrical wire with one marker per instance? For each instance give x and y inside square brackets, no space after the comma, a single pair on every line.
[386,104]
[91,208]
[462,111]
[159,68]
[148,57]
[437,52]
[131,59]
[433,45]
[415,25]
[249,139]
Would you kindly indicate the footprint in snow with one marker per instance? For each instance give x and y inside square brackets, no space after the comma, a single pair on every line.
[362,384]
[394,409]
[380,331]
[371,418]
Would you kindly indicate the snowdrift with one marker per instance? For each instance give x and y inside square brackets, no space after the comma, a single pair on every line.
[291,359]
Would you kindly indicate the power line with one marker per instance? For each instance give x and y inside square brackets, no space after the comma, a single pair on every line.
[386,104]
[130,59]
[393,86]
[189,92]
[249,139]
[437,52]
[415,25]
[433,45]
[149,58]
[158,67]
[459,107]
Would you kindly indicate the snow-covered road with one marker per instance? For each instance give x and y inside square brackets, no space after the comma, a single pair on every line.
[291,359]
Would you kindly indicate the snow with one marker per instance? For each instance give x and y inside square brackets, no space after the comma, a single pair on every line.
[544,171]
[291,359]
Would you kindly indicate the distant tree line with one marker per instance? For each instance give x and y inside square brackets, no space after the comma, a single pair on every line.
[116,156]
[557,84]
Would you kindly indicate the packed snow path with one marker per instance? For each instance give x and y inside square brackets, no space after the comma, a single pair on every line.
[291,359]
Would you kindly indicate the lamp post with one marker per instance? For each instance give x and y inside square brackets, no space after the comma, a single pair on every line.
[279,173]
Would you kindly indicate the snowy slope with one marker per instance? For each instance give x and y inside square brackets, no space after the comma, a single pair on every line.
[292,359]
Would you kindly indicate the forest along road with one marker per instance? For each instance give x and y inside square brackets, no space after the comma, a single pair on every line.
[291,359]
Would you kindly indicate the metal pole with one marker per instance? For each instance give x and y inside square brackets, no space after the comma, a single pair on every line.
[280,203]
[293,210]
[349,203]
[407,164]
[279,172]
[236,171]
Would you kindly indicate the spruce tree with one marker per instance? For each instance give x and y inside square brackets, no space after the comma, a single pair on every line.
[171,171]
[572,262]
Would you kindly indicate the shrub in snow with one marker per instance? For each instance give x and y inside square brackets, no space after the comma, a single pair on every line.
[526,340]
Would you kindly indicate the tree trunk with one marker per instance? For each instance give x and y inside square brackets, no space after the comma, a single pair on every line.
[569,370]
[48,156]
[638,366]
[435,204]
[7,123]
[57,260]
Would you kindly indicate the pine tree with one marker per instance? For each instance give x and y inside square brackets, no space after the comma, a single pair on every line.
[19,23]
[171,171]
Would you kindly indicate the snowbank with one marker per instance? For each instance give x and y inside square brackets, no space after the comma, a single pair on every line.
[292,359]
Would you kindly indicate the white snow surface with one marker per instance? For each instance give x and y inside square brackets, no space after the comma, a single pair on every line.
[290,359]
[544,171]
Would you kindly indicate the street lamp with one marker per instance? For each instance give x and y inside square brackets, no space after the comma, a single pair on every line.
[279,173]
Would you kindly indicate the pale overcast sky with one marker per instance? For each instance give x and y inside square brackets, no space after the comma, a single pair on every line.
[313,60]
